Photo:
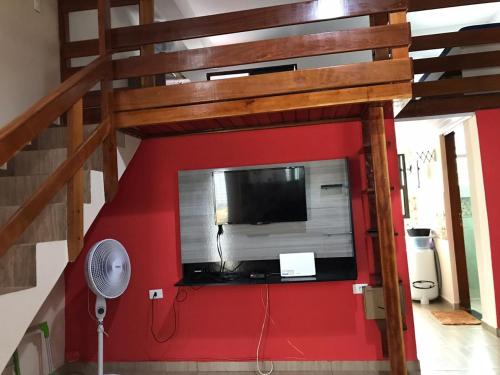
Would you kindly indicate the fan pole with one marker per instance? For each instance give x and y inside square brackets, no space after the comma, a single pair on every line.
[100,348]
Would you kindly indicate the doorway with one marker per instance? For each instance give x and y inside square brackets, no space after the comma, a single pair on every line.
[438,180]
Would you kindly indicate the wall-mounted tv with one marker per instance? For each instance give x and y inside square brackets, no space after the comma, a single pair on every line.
[260,196]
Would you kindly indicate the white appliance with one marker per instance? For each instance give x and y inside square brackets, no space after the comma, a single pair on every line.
[422,269]
[297,264]
[107,270]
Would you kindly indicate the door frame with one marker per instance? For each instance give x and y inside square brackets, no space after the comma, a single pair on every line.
[456,220]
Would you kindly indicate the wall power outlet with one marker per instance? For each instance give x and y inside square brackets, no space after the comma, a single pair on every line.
[158,295]
[358,288]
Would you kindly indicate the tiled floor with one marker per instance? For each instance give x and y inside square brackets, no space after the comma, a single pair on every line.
[454,350]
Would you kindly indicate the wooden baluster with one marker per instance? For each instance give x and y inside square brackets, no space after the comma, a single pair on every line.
[395,18]
[109,145]
[146,16]
[385,228]
[75,184]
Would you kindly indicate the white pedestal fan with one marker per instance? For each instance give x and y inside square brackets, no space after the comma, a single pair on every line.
[107,269]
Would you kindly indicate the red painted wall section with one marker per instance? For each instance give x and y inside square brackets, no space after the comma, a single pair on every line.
[488,124]
[315,321]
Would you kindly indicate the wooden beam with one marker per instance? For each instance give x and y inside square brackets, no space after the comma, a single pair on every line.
[263,105]
[456,39]
[80,5]
[265,85]
[146,16]
[110,163]
[449,105]
[452,86]
[132,37]
[25,215]
[266,50]
[418,5]
[454,63]
[28,125]
[385,228]
[75,184]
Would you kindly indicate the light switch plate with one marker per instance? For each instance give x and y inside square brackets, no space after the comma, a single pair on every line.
[358,288]
[159,293]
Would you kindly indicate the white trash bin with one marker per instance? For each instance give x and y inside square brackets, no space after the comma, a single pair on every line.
[422,269]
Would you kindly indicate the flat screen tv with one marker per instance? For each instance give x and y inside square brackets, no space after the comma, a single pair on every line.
[260,196]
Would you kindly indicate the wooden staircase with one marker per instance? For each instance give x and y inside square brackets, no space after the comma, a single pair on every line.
[24,174]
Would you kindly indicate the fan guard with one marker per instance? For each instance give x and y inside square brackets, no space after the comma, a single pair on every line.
[108,269]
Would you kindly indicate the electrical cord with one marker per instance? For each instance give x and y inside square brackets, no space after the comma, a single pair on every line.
[220,232]
[174,330]
[264,324]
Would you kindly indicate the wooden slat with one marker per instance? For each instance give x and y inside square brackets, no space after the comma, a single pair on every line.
[80,48]
[266,50]
[254,19]
[75,184]
[263,105]
[478,84]
[25,215]
[456,39]
[457,62]
[27,126]
[418,5]
[385,228]
[80,5]
[449,105]
[264,85]
[146,16]
[109,157]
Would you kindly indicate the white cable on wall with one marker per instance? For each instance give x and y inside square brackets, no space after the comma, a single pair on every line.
[264,323]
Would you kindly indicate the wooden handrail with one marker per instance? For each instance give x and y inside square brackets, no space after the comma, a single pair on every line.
[16,134]
[25,215]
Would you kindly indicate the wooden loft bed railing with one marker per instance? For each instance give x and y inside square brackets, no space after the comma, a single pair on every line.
[217,105]
[147,111]
[444,89]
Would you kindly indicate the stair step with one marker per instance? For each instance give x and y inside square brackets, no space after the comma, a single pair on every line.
[56,137]
[16,189]
[35,162]
[18,268]
[50,225]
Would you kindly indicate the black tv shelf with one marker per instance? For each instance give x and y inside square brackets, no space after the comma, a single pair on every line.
[265,272]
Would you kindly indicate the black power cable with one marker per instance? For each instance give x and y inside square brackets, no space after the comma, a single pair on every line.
[172,334]
[220,232]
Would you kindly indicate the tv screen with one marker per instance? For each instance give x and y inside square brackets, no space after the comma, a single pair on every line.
[260,196]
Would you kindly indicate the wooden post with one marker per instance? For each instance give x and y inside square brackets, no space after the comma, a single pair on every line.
[395,18]
[75,184]
[109,145]
[146,16]
[64,63]
[385,229]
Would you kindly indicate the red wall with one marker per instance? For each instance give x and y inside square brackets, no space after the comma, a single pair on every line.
[316,321]
[488,124]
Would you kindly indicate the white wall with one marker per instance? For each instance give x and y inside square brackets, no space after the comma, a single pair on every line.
[29,62]
[481,227]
